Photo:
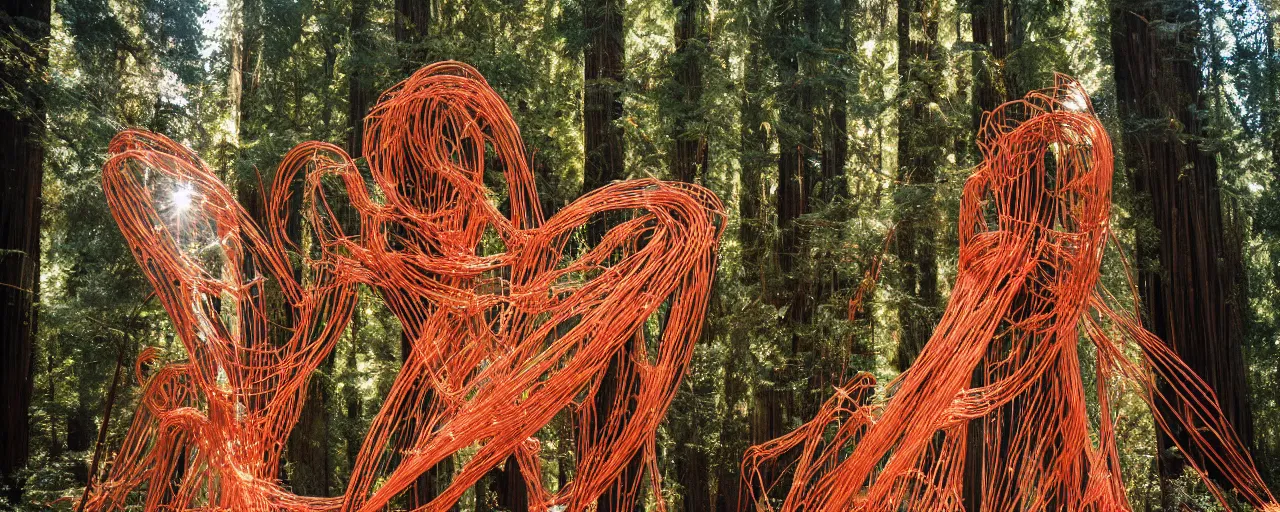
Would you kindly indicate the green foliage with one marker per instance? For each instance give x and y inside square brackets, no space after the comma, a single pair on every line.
[774,75]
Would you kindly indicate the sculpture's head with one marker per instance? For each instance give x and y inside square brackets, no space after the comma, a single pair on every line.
[428,142]
[1042,196]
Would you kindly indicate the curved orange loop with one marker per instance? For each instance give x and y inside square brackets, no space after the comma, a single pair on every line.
[1004,361]
[507,328]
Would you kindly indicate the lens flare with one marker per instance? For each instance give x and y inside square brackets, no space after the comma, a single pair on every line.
[182,199]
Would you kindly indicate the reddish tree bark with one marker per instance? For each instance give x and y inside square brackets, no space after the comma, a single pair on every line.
[764,416]
[1186,273]
[990,33]
[919,157]
[21,174]
[605,157]
[688,164]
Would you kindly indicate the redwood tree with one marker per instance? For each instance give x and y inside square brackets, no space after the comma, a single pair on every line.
[1185,271]
[765,416]
[414,24]
[689,158]
[359,98]
[605,154]
[920,155]
[689,155]
[990,34]
[25,29]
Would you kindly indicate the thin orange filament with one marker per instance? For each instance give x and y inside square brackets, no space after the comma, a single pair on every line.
[503,340]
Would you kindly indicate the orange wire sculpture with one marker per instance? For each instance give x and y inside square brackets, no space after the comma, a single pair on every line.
[1033,228]
[501,342]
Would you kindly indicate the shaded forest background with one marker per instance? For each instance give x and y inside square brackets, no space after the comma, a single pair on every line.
[825,125]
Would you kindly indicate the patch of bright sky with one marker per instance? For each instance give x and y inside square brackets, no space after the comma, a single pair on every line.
[211,26]
[171,88]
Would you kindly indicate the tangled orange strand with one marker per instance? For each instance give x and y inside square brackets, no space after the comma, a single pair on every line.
[1005,358]
[502,339]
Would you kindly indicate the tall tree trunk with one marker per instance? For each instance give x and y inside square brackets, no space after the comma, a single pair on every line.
[246,46]
[308,444]
[1272,123]
[353,435]
[990,33]
[693,466]
[602,100]
[512,491]
[359,76]
[228,150]
[56,449]
[689,157]
[414,20]
[246,43]
[798,141]
[765,418]
[414,24]
[311,461]
[835,133]
[1273,116]
[919,157]
[1184,275]
[21,176]
[1270,449]
[793,33]
[795,144]
[689,163]
[837,30]
[80,422]
[307,447]
[359,96]
[604,151]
